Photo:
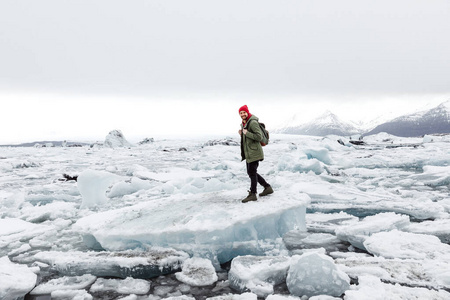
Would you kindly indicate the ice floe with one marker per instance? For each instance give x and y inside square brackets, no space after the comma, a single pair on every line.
[115,138]
[314,274]
[15,280]
[122,286]
[371,288]
[71,294]
[64,283]
[258,274]
[398,244]
[299,240]
[13,231]
[439,228]
[356,234]
[93,186]
[214,225]
[197,272]
[140,264]
[379,209]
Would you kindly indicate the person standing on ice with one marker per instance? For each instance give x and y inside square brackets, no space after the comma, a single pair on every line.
[252,152]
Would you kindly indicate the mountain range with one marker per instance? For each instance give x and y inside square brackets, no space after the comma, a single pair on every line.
[433,121]
[325,124]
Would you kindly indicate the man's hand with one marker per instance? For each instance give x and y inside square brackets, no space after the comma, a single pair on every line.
[240,132]
[245,131]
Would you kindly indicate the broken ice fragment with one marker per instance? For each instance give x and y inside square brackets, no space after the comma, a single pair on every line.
[138,264]
[316,274]
[197,272]
[258,274]
[64,283]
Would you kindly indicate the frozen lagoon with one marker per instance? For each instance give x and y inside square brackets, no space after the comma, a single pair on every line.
[132,197]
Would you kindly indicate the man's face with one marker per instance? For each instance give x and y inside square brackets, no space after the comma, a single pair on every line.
[243,114]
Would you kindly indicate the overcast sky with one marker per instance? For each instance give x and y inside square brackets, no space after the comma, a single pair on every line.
[82,68]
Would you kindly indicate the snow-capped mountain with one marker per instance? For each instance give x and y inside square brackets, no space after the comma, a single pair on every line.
[435,120]
[326,124]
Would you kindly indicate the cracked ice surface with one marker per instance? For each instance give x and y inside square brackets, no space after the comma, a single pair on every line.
[198,223]
[178,196]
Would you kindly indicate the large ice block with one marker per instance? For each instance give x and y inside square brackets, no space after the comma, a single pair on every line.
[216,223]
[139,264]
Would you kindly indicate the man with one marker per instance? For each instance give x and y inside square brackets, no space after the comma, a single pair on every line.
[252,152]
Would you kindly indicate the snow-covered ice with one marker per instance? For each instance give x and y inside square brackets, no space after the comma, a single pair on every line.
[398,244]
[148,263]
[71,294]
[380,210]
[93,186]
[13,230]
[64,283]
[122,286]
[328,223]
[210,224]
[313,274]
[15,280]
[197,272]
[356,234]
[243,296]
[258,274]
[115,139]
[299,240]
[437,228]
[371,288]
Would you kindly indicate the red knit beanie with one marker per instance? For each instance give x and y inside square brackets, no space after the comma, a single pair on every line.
[244,108]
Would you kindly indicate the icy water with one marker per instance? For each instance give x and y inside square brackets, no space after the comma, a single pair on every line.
[166,286]
[405,188]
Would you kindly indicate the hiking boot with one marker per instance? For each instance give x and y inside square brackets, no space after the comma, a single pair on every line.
[251,197]
[267,190]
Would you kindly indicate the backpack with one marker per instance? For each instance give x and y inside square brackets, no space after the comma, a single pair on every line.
[265,134]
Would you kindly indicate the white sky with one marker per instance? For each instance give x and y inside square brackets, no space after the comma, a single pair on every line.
[78,69]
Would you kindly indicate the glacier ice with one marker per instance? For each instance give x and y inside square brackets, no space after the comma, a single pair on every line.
[406,257]
[42,216]
[429,273]
[212,226]
[149,263]
[356,234]
[52,211]
[64,283]
[71,294]
[370,287]
[439,228]
[258,274]
[16,280]
[316,274]
[122,286]
[197,271]
[299,240]
[123,188]
[398,244]
[115,138]
[434,176]
[243,296]
[14,232]
[282,297]
[93,186]
[328,223]
[290,297]
[321,154]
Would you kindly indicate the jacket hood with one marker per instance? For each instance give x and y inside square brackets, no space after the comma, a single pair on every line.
[252,117]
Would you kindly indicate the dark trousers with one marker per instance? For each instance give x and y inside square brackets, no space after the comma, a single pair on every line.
[252,171]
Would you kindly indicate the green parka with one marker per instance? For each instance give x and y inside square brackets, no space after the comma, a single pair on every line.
[251,149]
